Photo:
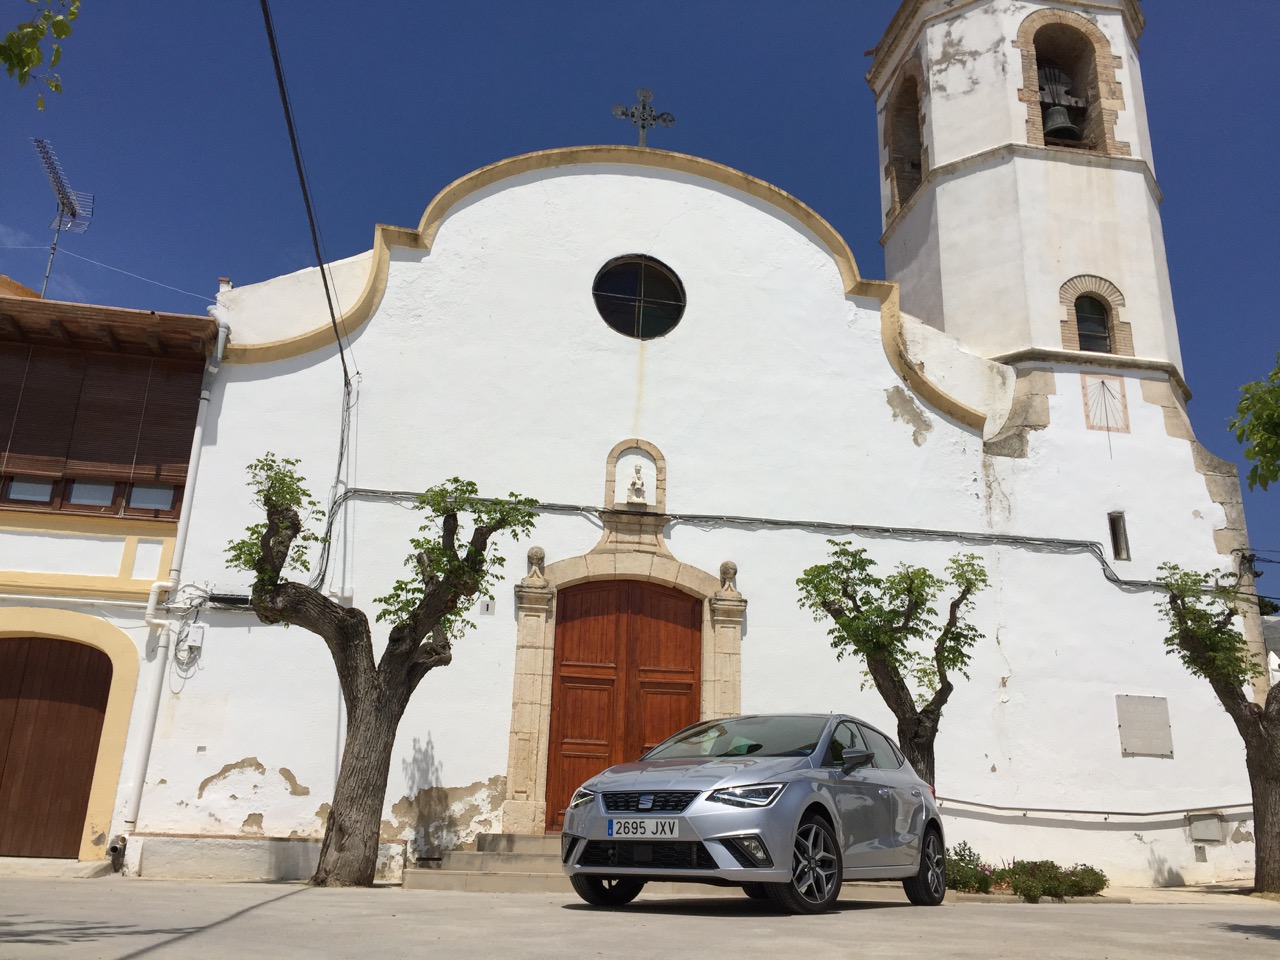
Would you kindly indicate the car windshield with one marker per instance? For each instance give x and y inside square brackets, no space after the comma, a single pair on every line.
[744,737]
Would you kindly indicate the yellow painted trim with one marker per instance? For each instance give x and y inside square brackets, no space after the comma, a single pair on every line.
[116,644]
[895,349]
[447,199]
[127,557]
[90,526]
[121,586]
[77,585]
[321,335]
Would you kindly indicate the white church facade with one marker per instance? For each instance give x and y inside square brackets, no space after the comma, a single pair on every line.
[687,370]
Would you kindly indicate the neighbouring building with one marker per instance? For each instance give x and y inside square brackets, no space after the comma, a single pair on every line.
[686,367]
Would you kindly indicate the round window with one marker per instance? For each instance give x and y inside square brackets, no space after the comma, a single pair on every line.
[639,296]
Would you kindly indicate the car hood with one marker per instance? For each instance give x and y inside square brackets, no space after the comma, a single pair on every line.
[695,774]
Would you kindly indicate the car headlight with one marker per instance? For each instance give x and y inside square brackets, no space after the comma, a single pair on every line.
[581,797]
[755,795]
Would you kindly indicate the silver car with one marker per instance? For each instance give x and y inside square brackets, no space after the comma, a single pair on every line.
[783,806]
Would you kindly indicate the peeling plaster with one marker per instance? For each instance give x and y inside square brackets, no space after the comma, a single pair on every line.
[248,763]
[436,819]
[252,824]
[322,812]
[1241,835]
[955,56]
[101,838]
[906,409]
[295,788]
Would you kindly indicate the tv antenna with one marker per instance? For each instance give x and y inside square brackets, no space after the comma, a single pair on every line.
[75,209]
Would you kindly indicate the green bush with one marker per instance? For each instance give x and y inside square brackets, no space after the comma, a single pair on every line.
[1085,881]
[1031,880]
[965,870]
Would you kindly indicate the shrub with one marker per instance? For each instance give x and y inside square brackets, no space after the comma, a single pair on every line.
[1085,881]
[1029,879]
[1033,879]
[965,870]
[1027,886]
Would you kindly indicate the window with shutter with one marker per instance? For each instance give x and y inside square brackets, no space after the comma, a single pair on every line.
[108,434]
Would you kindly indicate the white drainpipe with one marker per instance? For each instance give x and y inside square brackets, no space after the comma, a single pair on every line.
[163,625]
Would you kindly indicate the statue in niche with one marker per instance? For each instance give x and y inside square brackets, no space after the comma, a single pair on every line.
[635,489]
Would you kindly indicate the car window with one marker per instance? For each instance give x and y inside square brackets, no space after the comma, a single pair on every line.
[773,736]
[844,738]
[887,758]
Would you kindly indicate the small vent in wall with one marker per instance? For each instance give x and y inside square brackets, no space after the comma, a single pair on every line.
[1119,536]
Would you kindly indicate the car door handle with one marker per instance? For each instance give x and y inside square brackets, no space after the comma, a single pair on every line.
[884,791]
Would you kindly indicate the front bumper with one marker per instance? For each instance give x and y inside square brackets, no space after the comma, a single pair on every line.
[708,848]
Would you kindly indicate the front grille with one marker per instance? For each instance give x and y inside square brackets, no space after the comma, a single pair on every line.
[669,855]
[669,801]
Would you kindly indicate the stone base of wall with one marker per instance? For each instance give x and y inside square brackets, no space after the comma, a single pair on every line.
[163,857]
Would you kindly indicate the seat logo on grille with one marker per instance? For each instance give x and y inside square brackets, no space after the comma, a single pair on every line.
[645,802]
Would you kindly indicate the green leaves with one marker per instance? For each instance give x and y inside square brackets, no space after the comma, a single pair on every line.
[22,50]
[1257,426]
[894,619]
[289,507]
[444,553]
[1200,610]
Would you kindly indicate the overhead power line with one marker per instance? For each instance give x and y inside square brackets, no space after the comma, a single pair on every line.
[302,182]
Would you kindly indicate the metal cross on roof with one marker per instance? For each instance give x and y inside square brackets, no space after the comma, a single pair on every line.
[643,114]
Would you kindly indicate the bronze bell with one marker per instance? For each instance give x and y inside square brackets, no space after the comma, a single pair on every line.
[1058,125]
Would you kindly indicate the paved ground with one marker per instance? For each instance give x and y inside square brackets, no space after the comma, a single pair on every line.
[125,919]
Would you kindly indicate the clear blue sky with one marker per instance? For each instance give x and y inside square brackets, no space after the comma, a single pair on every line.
[170,117]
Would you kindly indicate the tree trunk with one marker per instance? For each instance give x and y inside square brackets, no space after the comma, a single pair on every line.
[1263,759]
[916,738]
[349,854]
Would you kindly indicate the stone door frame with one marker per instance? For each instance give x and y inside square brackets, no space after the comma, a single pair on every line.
[723,612]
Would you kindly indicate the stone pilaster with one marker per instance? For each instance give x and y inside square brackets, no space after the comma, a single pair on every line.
[722,657]
[525,809]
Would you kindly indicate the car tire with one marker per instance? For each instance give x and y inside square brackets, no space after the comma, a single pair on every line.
[816,870]
[756,891]
[606,891]
[929,885]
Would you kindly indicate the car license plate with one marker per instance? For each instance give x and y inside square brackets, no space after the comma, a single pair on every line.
[650,828]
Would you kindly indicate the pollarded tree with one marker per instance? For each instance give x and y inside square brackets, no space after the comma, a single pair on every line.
[1201,610]
[427,611]
[891,624]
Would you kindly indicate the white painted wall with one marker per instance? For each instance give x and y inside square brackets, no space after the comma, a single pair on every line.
[487,359]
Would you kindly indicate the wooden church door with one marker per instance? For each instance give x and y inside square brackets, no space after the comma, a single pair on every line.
[53,697]
[628,670]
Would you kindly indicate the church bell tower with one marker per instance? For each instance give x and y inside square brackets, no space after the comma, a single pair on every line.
[1021,209]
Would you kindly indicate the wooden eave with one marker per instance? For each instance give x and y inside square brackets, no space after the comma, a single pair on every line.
[83,326]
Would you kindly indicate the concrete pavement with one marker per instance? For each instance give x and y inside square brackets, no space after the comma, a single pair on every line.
[116,919]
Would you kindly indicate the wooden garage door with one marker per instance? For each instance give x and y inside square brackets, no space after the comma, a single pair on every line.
[53,695]
[628,664]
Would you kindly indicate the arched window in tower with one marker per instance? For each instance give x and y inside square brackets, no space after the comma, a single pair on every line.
[904,143]
[1067,73]
[1093,324]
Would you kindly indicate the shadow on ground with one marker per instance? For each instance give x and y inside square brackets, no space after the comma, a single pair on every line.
[726,907]
[1261,931]
[47,932]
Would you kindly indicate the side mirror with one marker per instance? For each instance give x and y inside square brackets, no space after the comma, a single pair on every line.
[854,758]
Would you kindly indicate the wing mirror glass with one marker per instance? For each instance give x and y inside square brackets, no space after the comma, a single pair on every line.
[854,758]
